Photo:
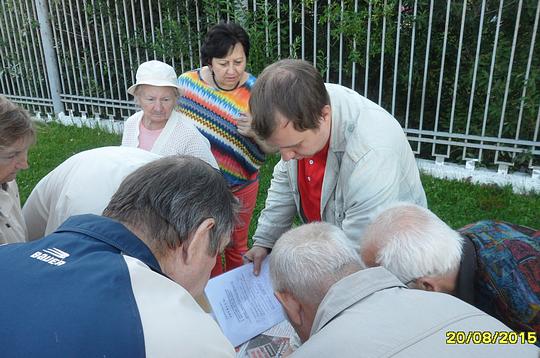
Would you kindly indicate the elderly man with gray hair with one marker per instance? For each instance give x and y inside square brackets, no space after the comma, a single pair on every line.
[340,310]
[122,284]
[494,266]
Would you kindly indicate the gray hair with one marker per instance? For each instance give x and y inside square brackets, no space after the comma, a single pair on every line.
[169,198]
[412,242]
[15,124]
[309,259]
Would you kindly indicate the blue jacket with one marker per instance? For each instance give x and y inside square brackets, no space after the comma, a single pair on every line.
[93,289]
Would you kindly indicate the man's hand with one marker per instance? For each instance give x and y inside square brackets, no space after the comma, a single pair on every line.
[256,255]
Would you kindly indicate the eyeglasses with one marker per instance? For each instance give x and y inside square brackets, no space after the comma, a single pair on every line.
[410,281]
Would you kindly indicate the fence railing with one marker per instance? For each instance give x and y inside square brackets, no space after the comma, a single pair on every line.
[462,77]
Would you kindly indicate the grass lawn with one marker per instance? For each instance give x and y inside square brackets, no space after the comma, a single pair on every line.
[456,202]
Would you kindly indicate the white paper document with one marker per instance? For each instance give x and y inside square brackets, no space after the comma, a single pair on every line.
[244,304]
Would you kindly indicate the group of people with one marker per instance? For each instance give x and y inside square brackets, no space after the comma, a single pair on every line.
[124,239]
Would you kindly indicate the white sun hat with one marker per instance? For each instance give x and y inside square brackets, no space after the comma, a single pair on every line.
[154,73]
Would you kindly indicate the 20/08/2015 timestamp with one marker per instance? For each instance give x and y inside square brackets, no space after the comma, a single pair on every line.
[490,337]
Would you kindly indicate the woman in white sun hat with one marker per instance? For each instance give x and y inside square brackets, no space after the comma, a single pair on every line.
[157,128]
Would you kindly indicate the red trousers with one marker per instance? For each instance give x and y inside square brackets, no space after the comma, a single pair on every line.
[239,240]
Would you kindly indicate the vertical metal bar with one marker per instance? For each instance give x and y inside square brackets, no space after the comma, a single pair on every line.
[303,31]
[473,84]
[8,85]
[50,57]
[456,77]
[353,72]
[315,33]
[535,136]
[91,47]
[4,85]
[426,65]
[278,14]
[169,18]
[340,69]
[151,15]
[144,30]
[114,47]
[36,46]
[441,75]
[98,50]
[20,88]
[123,94]
[189,37]
[198,31]
[68,76]
[26,55]
[411,63]
[16,49]
[490,80]
[508,76]
[381,72]
[527,72]
[107,61]
[368,41]
[134,21]
[396,60]
[266,28]
[160,17]
[328,43]
[86,88]
[180,21]
[291,55]
[75,63]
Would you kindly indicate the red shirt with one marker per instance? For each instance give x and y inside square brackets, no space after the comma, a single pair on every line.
[310,180]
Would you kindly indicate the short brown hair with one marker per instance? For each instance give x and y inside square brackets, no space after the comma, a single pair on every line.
[15,123]
[295,89]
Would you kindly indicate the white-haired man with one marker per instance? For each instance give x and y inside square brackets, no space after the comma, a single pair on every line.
[340,310]
[494,266]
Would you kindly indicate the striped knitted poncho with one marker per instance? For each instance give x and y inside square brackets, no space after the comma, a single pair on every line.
[214,113]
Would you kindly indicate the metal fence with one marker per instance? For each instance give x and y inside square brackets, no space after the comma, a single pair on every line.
[462,77]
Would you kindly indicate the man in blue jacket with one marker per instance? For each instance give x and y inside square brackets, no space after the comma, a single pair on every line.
[122,284]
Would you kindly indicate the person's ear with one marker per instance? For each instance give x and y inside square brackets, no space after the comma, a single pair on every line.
[427,284]
[326,112]
[292,307]
[199,241]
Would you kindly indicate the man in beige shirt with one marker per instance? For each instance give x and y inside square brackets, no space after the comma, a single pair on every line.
[16,135]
